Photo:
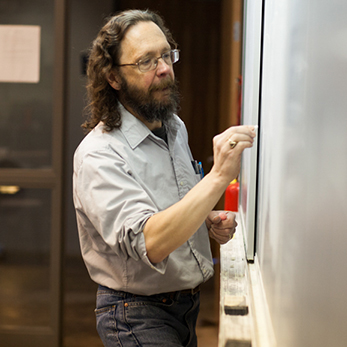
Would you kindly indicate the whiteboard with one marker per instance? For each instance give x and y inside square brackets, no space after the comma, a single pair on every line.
[249,116]
[302,195]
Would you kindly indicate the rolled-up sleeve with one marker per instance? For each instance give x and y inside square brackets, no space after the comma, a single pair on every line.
[115,204]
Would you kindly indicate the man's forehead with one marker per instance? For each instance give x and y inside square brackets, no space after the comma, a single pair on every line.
[143,38]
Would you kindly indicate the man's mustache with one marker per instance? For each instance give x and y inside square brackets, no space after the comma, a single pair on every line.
[163,85]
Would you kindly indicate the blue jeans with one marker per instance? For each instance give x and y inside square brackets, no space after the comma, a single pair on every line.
[128,320]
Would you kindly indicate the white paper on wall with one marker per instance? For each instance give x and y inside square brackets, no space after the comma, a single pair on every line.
[20,53]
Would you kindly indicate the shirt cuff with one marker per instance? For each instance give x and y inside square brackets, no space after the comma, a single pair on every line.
[159,267]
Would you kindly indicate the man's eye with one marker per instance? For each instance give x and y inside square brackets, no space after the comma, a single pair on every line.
[146,62]
[167,55]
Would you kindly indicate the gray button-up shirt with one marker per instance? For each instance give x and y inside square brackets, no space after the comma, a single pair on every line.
[122,178]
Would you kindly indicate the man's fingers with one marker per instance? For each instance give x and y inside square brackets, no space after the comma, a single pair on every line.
[223,215]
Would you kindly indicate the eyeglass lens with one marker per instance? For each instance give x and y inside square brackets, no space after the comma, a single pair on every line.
[169,58]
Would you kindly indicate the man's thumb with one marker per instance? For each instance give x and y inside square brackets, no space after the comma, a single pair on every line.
[219,217]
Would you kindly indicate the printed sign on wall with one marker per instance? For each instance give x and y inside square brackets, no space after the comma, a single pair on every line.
[20,53]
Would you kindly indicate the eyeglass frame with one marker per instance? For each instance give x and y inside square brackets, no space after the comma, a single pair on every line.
[155,65]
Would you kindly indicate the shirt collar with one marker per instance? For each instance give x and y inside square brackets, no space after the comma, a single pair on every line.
[132,128]
[136,131]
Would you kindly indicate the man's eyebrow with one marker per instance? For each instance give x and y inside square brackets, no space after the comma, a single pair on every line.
[154,53]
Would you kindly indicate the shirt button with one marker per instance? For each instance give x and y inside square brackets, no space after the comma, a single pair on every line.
[181,183]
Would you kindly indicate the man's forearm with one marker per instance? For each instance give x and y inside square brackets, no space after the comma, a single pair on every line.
[169,229]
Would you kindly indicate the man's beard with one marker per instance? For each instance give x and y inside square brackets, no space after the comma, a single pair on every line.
[145,105]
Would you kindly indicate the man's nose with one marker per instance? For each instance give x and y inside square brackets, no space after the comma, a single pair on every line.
[163,68]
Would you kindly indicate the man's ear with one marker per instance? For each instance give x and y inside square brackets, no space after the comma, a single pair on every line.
[114,80]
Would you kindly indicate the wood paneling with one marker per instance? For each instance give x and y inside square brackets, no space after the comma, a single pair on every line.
[231,50]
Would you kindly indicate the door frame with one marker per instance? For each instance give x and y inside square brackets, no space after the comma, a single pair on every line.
[52,179]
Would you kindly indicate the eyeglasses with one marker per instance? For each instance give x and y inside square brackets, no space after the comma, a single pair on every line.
[149,64]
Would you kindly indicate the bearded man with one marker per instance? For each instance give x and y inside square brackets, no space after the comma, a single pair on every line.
[143,210]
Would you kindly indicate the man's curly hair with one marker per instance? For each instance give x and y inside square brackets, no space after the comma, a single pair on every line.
[103,59]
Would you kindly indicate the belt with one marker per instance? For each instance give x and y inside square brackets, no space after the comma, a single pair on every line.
[170,294]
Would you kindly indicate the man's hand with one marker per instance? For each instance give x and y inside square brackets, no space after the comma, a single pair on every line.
[221,225]
[227,151]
